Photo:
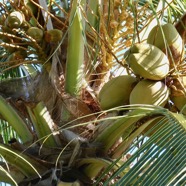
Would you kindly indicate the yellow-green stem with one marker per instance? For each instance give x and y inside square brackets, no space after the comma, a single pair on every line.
[75,51]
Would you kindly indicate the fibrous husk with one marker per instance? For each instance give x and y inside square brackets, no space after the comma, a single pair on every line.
[148,61]
[166,38]
[150,92]
[116,92]
[178,93]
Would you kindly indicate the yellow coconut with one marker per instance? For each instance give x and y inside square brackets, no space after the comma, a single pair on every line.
[150,92]
[36,33]
[178,93]
[165,36]
[148,61]
[116,92]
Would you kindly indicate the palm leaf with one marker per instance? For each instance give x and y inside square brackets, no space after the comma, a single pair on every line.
[157,160]
[25,164]
[9,178]
[10,115]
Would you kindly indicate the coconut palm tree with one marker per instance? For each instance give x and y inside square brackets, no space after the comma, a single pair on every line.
[71,107]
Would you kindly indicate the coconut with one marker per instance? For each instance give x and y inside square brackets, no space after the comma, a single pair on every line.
[17,55]
[150,92]
[178,95]
[148,61]
[116,92]
[15,19]
[36,33]
[164,36]
[53,36]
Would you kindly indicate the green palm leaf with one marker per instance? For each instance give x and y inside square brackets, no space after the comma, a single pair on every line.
[159,159]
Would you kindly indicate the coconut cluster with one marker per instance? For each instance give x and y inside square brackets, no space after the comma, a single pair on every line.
[22,35]
[152,64]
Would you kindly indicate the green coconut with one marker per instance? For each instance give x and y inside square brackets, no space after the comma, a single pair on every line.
[148,61]
[150,92]
[36,33]
[164,36]
[17,55]
[116,92]
[53,36]
[14,19]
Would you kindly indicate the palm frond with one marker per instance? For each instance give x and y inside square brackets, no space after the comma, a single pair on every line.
[157,159]
[10,115]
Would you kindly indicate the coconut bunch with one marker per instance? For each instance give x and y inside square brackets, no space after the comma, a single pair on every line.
[152,63]
[22,31]
[151,82]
